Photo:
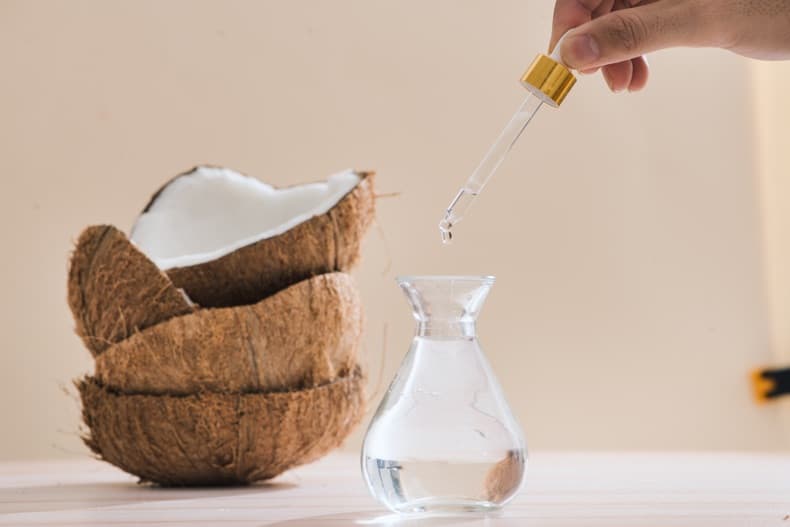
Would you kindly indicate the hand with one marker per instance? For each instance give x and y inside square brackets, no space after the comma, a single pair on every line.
[614,35]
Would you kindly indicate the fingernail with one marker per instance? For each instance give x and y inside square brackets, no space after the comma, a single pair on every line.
[611,85]
[582,50]
[615,89]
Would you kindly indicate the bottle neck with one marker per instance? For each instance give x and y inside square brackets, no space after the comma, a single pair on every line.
[446,328]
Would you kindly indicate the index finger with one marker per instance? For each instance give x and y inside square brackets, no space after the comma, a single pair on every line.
[569,14]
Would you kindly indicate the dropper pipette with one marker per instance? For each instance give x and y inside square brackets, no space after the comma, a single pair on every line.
[547,81]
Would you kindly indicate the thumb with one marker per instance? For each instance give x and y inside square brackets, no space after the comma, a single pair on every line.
[629,33]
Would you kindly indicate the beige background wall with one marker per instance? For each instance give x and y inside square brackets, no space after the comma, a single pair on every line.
[624,230]
[771,85]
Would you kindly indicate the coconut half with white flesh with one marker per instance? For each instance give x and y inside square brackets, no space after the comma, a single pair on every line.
[228,239]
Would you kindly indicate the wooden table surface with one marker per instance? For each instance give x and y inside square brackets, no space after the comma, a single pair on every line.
[660,489]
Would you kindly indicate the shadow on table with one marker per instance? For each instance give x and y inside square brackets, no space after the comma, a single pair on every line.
[382,519]
[93,495]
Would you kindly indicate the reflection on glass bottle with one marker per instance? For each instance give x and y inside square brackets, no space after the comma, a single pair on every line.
[443,438]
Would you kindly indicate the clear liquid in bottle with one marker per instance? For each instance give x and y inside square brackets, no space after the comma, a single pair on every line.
[443,438]
[414,486]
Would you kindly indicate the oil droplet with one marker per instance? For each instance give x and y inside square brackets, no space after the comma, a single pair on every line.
[444,229]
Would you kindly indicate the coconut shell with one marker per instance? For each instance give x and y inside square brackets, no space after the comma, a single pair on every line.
[219,439]
[303,336]
[114,290]
[325,243]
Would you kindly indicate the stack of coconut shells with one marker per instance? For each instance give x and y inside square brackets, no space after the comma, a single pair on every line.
[225,329]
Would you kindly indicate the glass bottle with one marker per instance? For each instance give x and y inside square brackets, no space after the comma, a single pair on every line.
[443,438]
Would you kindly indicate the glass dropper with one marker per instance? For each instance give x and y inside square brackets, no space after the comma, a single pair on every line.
[547,81]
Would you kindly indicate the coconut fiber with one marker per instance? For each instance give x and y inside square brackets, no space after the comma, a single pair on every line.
[216,439]
[114,290]
[303,336]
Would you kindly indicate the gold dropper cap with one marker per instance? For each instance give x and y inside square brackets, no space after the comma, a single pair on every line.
[548,79]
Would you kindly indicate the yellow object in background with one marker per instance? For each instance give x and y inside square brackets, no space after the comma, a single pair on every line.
[770,383]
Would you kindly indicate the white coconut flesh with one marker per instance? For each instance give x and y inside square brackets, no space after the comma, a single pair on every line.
[212,212]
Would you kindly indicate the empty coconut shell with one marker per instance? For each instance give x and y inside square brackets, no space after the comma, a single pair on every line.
[219,439]
[114,290]
[243,270]
[303,336]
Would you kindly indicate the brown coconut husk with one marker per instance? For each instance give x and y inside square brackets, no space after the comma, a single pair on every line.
[219,439]
[325,243]
[114,290]
[303,336]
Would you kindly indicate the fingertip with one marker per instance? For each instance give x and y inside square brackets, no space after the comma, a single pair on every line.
[607,78]
[568,14]
[618,75]
[640,74]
